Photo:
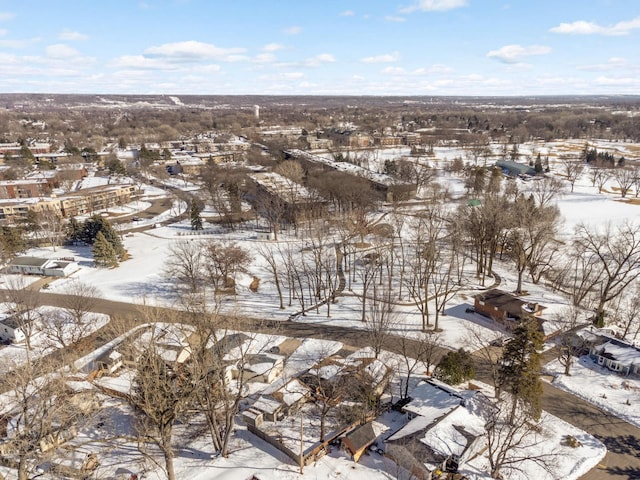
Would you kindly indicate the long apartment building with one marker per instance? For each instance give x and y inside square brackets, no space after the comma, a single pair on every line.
[83,202]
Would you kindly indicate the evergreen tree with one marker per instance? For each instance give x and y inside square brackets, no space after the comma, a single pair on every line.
[519,371]
[25,153]
[97,224]
[114,165]
[104,254]
[73,230]
[11,241]
[538,164]
[196,219]
[455,367]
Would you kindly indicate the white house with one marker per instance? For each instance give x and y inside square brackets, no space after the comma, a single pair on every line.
[11,330]
[617,356]
[42,266]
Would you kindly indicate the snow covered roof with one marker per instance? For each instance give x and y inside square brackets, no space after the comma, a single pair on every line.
[292,392]
[267,405]
[279,185]
[431,400]
[454,433]
[620,351]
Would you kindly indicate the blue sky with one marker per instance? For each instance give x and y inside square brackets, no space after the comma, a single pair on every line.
[350,47]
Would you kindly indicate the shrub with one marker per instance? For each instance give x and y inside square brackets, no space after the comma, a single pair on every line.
[455,367]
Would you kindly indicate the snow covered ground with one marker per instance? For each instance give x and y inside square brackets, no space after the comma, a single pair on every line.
[600,386]
[142,279]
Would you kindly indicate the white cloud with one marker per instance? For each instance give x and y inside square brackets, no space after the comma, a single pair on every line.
[4,16]
[616,81]
[434,6]
[292,75]
[611,64]
[60,50]
[436,69]
[320,59]
[19,43]
[582,27]
[292,30]
[394,71]
[70,35]
[3,32]
[515,53]
[385,58]
[140,62]
[273,47]
[212,68]
[347,13]
[191,51]
[391,18]
[264,58]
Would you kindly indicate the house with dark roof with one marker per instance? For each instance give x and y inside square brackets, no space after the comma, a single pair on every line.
[506,309]
[12,328]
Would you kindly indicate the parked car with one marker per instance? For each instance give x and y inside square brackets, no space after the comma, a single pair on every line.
[470,310]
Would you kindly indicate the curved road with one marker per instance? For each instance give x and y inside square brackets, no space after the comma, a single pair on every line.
[621,438]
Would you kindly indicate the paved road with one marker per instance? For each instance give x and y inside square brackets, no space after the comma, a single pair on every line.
[622,439]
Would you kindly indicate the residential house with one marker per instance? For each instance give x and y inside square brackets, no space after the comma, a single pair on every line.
[506,309]
[12,329]
[42,266]
[617,355]
[444,431]
[259,367]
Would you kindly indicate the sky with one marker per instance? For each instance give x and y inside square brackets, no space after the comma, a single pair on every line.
[320,47]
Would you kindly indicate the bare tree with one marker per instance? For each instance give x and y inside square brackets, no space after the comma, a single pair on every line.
[52,226]
[70,324]
[274,264]
[626,312]
[40,413]
[24,302]
[625,177]
[546,190]
[290,169]
[511,443]
[423,350]
[185,263]
[531,241]
[600,175]
[568,342]
[380,320]
[612,256]
[161,393]
[223,262]
[427,259]
[572,170]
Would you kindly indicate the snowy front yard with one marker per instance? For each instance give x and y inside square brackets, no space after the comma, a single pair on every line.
[607,390]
